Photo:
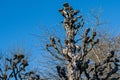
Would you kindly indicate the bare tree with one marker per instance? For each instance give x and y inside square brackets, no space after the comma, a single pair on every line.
[15,68]
[78,65]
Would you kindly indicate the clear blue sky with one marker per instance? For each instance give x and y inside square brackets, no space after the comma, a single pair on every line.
[20,18]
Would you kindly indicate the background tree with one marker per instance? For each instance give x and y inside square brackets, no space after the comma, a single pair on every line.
[77,65]
[15,67]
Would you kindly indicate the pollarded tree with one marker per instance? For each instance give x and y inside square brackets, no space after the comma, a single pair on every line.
[14,68]
[78,66]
